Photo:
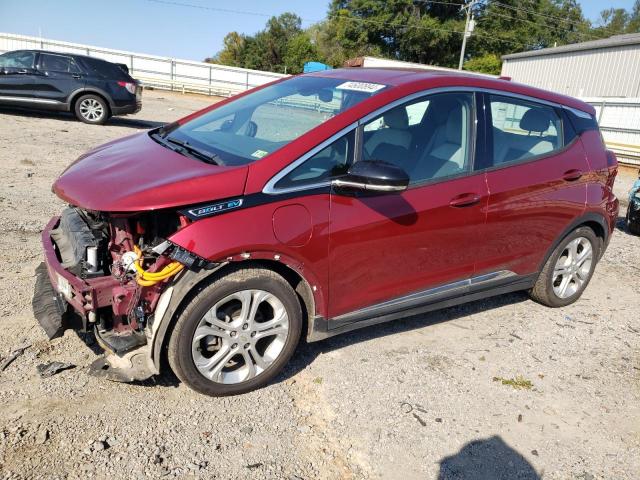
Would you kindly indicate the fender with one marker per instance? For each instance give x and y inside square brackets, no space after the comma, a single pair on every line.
[82,90]
[588,217]
[174,297]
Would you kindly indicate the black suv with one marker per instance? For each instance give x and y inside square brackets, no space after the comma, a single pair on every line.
[91,88]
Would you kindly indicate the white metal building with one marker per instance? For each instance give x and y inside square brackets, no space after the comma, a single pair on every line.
[604,73]
[601,68]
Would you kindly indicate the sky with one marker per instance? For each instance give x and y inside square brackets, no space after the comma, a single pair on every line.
[162,27]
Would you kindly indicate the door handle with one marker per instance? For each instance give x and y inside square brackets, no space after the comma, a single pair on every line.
[572,175]
[22,72]
[465,200]
[76,76]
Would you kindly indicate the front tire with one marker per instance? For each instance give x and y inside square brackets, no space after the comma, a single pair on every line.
[237,333]
[568,270]
[92,109]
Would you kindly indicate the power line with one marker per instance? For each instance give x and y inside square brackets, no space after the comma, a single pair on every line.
[341,17]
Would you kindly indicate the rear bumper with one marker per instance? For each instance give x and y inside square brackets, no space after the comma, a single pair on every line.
[126,109]
[83,295]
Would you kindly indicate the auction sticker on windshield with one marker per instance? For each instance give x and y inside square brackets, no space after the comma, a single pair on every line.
[360,87]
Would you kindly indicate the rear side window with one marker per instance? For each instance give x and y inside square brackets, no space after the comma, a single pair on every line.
[522,129]
[58,63]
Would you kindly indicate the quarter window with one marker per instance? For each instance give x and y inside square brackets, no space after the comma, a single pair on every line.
[428,138]
[522,130]
[331,161]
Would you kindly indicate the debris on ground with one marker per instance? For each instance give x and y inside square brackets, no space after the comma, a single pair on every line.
[518,383]
[50,369]
[12,356]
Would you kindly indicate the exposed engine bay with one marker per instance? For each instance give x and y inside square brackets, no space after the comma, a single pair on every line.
[119,266]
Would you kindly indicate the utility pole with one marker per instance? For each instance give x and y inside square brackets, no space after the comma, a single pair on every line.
[468,28]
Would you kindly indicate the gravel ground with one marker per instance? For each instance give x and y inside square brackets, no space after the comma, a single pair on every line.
[418,398]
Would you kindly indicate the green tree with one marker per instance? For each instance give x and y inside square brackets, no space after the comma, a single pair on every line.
[487,63]
[299,51]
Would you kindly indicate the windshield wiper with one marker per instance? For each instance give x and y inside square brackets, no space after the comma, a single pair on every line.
[203,154]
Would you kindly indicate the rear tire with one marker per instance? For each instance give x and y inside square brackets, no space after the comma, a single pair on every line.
[237,333]
[92,109]
[568,270]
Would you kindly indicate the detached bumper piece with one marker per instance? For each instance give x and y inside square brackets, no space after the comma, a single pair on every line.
[49,308]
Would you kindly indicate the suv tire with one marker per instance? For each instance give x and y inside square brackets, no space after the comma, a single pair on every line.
[92,109]
[224,333]
[568,270]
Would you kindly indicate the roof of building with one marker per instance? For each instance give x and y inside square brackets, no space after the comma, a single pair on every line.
[615,41]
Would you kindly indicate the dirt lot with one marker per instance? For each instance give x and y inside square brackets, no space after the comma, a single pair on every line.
[417,398]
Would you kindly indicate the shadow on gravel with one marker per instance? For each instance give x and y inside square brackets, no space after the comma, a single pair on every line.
[68,117]
[489,459]
[307,352]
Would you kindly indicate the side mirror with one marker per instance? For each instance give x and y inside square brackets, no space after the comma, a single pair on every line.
[373,176]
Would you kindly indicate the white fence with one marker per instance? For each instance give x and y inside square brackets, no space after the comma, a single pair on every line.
[160,72]
[619,120]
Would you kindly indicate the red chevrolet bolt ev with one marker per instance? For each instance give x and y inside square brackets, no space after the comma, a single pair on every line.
[316,205]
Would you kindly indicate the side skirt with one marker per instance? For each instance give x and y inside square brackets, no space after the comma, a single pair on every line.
[322,328]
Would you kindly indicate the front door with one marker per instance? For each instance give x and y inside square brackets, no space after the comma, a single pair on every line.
[388,246]
[17,72]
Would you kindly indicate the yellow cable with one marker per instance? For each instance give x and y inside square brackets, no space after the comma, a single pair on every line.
[147,279]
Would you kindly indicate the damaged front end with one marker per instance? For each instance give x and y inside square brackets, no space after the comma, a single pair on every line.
[107,273]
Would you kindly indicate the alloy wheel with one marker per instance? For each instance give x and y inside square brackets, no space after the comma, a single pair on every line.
[240,336]
[573,267]
[91,109]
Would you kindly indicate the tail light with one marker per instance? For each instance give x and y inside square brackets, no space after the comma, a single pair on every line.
[612,168]
[131,87]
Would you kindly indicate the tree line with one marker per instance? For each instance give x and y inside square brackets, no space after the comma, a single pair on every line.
[421,31]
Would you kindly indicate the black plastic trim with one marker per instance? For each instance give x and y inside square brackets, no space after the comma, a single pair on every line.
[321,328]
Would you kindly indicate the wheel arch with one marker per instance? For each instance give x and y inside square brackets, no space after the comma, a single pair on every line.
[594,221]
[191,283]
[73,98]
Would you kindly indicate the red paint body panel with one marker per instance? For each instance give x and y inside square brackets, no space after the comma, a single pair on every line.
[530,204]
[251,231]
[385,246]
[135,173]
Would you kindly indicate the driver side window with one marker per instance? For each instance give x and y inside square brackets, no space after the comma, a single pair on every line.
[429,138]
[17,60]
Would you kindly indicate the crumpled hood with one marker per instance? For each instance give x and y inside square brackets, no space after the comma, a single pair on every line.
[136,173]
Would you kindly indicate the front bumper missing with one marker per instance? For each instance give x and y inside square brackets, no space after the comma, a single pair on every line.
[83,295]
[58,293]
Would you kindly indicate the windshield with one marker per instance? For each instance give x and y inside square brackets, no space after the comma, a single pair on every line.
[261,122]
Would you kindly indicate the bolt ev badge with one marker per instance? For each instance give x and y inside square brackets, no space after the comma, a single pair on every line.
[208,210]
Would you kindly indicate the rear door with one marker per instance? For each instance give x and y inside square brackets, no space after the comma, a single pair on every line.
[536,174]
[59,77]
[17,73]
[386,247]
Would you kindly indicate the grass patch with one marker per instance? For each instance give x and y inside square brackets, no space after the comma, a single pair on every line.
[519,383]
[317,380]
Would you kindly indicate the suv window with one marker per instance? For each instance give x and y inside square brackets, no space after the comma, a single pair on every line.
[57,63]
[522,129]
[18,60]
[328,163]
[104,69]
[438,143]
